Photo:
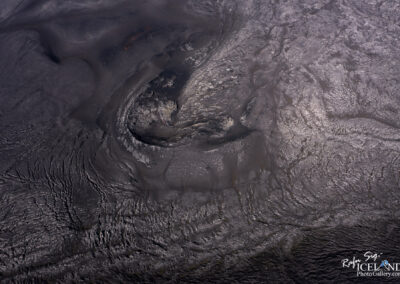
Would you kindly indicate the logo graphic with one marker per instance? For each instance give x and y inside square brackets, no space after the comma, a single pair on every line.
[371,266]
[385,264]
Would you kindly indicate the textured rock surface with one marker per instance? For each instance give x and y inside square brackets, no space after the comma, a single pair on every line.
[197,141]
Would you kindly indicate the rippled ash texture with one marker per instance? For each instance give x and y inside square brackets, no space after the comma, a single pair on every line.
[197,141]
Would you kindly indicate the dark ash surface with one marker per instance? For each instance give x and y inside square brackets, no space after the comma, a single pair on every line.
[198,141]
